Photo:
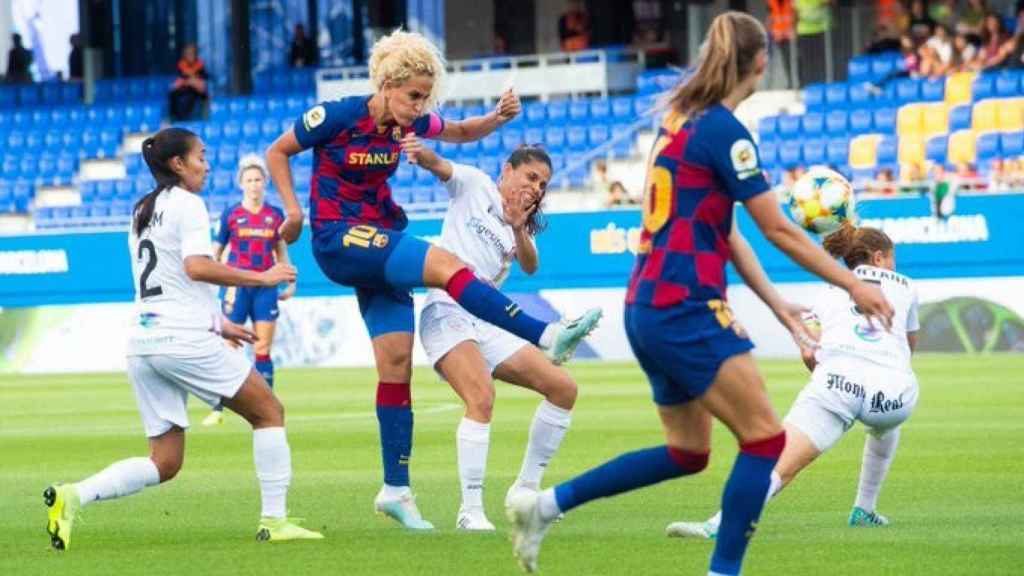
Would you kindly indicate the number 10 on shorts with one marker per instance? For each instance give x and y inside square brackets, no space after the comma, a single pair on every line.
[361,236]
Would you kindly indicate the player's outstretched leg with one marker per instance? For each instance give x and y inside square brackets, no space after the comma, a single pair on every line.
[879,451]
[395,419]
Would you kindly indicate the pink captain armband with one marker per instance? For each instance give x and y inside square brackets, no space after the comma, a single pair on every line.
[435,127]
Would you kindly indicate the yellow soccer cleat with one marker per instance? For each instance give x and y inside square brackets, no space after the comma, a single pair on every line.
[214,418]
[63,504]
[282,529]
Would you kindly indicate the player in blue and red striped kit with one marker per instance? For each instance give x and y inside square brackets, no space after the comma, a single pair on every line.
[249,231]
[358,239]
[695,355]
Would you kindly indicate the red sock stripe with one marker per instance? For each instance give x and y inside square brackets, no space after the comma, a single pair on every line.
[767,448]
[692,462]
[263,357]
[458,282]
[395,394]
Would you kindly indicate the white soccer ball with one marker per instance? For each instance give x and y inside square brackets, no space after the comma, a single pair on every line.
[821,200]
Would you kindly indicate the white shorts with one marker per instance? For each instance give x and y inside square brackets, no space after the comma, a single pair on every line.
[162,384]
[842,392]
[444,326]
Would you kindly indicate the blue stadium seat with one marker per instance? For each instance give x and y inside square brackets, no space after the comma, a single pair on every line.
[533,135]
[227,155]
[404,174]
[97,211]
[71,93]
[422,196]
[449,149]
[1012,144]
[224,181]
[769,153]
[511,138]
[250,129]
[643,105]
[124,189]
[885,120]
[28,165]
[40,117]
[60,116]
[1008,84]
[598,134]
[789,154]
[886,152]
[836,95]
[860,121]
[232,130]
[110,137]
[158,86]
[66,163]
[881,67]
[105,189]
[470,147]
[491,144]
[558,111]
[578,110]
[238,107]
[471,111]
[212,133]
[576,137]
[219,110]
[600,108]
[16,140]
[79,213]
[21,118]
[935,149]
[554,137]
[120,209]
[402,195]
[789,126]
[908,90]
[860,96]
[960,118]
[988,146]
[28,95]
[72,140]
[858,69]
[933,90]
[144,184]
[812,123]
[836,122]
[53,140]
[767,127]
[87,189]
[814,96]
[837,151]
[47,166]
[6,192]
[983,87]
[622,107]
[536,112]
[35,140]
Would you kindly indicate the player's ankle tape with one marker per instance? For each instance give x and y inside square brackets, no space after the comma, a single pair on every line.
[770,447]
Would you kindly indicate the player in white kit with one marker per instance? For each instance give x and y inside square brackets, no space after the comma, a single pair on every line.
[489,225]
[859,372]
[176,347]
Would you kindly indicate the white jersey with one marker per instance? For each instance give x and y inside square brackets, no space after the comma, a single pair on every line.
[845,333]
[173,315]
[474,228]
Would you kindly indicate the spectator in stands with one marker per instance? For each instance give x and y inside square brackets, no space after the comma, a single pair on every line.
[303,51]
[993,41]
[648,26]
[921,24]
[19,61]
[619,196]
[943,12]
[1013,173]
[190,87]
[943,51]
[76,59]
[997,176]
[885,39]
[884,183]
[574,27]
[814,19]
[972,20]
[892,14]
[780,25]
[966,56]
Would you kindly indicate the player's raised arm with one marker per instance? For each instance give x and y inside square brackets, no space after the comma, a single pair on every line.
[477,127]
[206,269]
[280,170]
[426,158]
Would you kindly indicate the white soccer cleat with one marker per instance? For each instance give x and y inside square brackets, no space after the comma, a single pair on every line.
[402,509]
[473,520]
[214,418]
[699,530]
[528,529]
[516,488]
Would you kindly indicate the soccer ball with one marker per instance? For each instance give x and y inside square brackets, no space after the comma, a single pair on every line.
[821,200]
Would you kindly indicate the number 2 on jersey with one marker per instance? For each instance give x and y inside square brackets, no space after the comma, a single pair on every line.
[147,291]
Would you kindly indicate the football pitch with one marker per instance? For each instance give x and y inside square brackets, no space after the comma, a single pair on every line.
[955,493]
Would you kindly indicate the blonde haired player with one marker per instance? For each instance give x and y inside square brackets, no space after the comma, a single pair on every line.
[175,348]
[859,372]
[358,239]
[249,231]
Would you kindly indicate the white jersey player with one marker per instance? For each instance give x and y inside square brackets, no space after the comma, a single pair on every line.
[859,372]
[176,347]
[489,225]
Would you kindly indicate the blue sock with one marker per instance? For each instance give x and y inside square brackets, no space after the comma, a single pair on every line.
[743,500]
[394,415]
[628,472]
[487,303]
[265,366]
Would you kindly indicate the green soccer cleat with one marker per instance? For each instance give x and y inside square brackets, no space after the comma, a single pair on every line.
[571,333]
[283,529]
[861,517]
[402,509]
[63,504]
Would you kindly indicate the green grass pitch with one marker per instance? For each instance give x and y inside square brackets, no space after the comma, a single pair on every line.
[955,492]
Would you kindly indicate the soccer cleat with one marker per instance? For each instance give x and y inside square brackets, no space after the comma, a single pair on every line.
[473,520]
[283,529]
[701,530]
[861,517]
[571,333]
[63,504]
[403,509]
[528,528]
[215,418]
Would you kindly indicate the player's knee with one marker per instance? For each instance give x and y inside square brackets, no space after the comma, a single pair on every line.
[395,365]
[167,465]
[261,348]
[480,402]
[690,462]
[563,392]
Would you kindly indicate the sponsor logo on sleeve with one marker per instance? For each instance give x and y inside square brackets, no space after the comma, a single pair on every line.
[314,117]
[744,159]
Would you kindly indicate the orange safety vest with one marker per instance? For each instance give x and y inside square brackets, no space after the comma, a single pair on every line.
[780,19]
[576,22]
[186,68]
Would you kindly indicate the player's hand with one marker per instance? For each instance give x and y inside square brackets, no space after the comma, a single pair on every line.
[416,152]
[236,335]
[518,211]
[793,317]
[872,304]
[291,228]
[278,274]
[287,292]
[508,106]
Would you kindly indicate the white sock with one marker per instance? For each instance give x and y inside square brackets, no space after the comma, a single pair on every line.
[773,489]
[472,440]
[122,478]
[547,337]
[878,455]
[273,460]
[546,433]
[548,505]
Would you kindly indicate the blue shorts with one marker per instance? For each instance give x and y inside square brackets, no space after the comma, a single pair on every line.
[681,348]
[245,302]
[382,265]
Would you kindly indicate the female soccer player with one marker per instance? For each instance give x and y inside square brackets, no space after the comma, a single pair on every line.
[858,373]
[696,356]
[249,230]
[489,226]
[358,239]
[175,347]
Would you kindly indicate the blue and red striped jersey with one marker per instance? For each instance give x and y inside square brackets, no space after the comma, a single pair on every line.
[352,161]
[699,167]
[250,236]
